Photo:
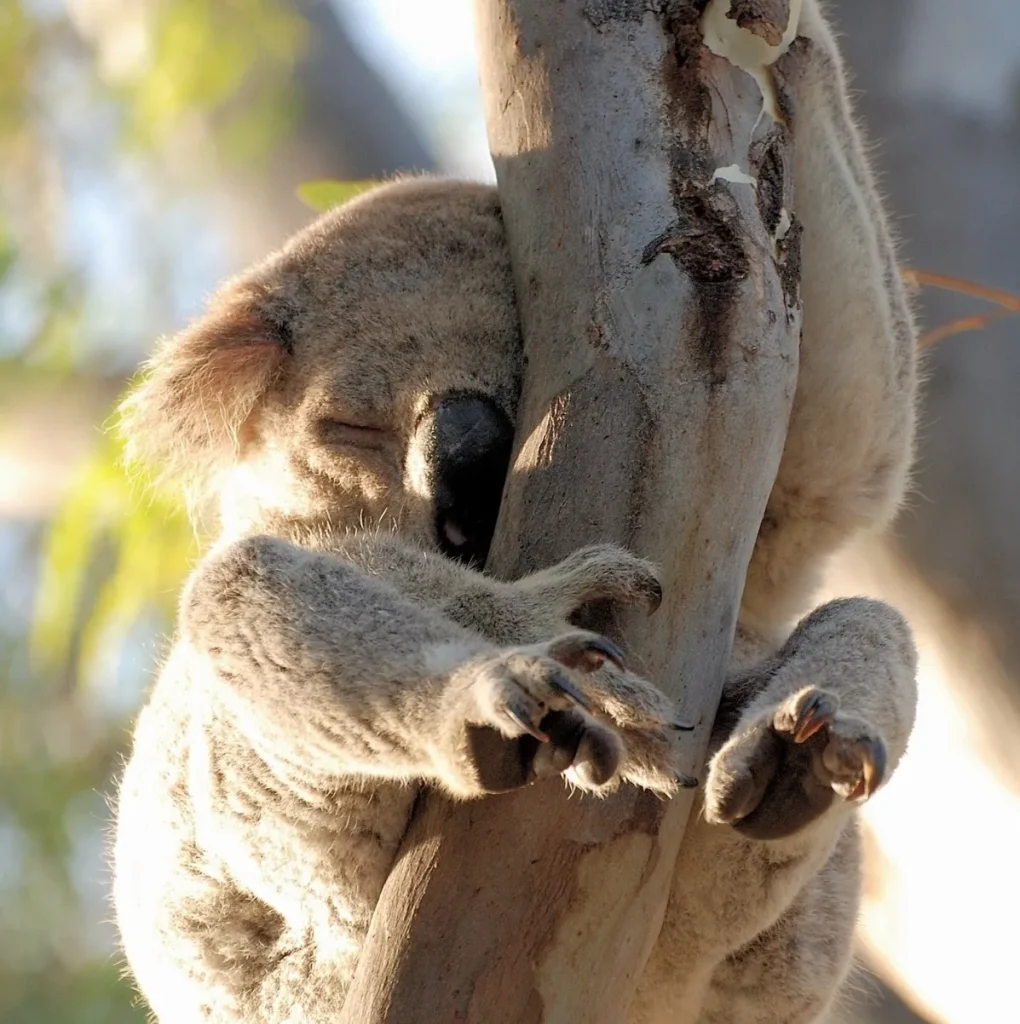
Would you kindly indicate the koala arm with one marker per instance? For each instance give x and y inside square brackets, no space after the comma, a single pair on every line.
[316,658]
[526,610]
[329,670]
[851,433]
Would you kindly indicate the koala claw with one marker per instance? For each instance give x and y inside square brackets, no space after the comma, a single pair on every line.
[852,760]
[516,710]
[681,725]
[856,766]
[585,652]
[813,711]
[528,718]
[787,769]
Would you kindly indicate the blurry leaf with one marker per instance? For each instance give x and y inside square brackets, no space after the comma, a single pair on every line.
[8,250]
[18,51]
[219,60]
[92,993]
[152,541]
[250,135]
[325,194]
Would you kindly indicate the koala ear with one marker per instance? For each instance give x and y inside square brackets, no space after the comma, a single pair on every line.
[185,418]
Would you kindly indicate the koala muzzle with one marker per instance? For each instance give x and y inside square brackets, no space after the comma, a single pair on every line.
[467,440]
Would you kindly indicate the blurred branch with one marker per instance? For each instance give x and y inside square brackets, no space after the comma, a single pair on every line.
[964,287]
[1009,302]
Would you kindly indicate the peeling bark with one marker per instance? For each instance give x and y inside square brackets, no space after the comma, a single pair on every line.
[661,326]
[767,19]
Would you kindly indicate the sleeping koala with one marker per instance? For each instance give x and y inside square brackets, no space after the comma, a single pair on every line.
[350,402]
[334,651]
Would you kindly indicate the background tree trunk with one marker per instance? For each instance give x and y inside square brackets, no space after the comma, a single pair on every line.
[661,329]
[939,96]
[350,126]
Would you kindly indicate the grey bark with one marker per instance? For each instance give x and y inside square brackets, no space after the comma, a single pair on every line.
[661,341]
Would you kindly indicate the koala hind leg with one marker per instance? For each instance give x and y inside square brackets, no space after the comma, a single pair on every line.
[792,972]
[827,721]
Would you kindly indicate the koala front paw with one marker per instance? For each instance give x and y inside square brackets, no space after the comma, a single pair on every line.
[528,719]
[601,572]
[784,771]
[529,716]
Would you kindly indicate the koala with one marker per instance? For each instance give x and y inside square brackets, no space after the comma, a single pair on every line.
[349,404]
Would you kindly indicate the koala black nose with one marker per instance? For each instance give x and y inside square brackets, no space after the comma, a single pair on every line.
[467,445]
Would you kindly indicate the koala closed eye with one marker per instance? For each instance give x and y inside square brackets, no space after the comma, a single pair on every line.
[348,433]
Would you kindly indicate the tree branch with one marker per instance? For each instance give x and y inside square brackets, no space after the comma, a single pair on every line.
[658,297]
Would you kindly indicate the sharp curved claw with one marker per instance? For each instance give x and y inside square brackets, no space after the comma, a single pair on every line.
[872,772]
[521,718]
[874,769]
[609,652]
[564,685]
[587,654]
[814,716]
[681,725]
[687,781]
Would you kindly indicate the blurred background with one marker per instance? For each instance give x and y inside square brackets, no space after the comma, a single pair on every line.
[149,147]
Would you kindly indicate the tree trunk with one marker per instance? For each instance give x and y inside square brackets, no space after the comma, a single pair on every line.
[661,329]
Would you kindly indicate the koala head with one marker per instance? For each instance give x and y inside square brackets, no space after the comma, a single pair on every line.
[366,374]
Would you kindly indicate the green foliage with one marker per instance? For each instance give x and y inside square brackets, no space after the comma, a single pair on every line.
[114,550]
[92,95]
[325,194]
[19,40]
[90,995]
[230,58]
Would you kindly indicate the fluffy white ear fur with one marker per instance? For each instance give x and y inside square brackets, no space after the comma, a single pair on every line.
[185,418]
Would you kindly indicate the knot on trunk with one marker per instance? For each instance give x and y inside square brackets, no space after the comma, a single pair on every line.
[702,241]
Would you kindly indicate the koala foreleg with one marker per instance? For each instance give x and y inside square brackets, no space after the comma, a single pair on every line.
[765,891]
[331,671]
[791,973]
[543,604]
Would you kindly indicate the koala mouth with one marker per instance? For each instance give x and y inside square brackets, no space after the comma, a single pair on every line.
[467,440]
[452,533]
